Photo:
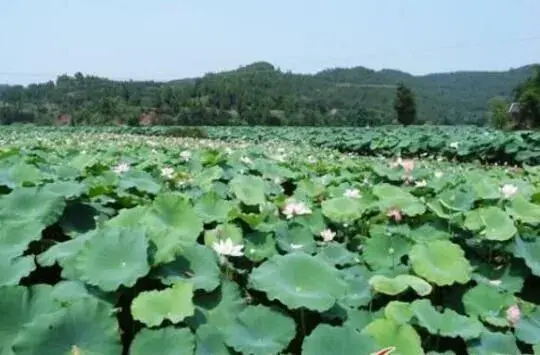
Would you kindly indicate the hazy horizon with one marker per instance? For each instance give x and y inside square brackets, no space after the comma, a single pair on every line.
[167,40]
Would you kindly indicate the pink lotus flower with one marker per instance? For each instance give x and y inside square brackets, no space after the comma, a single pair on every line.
[395,214]
[513,314]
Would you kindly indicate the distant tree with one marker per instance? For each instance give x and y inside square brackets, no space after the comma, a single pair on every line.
[498,113]
[528,97]
[405,105]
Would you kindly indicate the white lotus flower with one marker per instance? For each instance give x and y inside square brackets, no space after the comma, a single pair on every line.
[439,174]
[328,235]
[227,247]
[167,172]
[454,145]
[121,168]
[293,208]
[421,183]
[186,155]
[509,190]
[352,193]
[246,160]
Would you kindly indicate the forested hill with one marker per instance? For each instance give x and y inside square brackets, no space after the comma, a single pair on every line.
[261,94]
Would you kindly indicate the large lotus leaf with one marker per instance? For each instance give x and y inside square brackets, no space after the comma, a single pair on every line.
[329,340]
[315,221]
[395,286]
[399,312]
[343,209]
[210,341]
[299,280]
[483,186]
[383,249]
[16,235]
[21,173]
[488,303]
[294,238]
[197,264]
[448,324]
[139,180]
[428,232]
[249,189]
[358,318]
[259,246]
[207,176]
[113,257]
[85,326]
[12,270]
[440,262]
[529,250]
[20,306]
[394,197]
[171,224]
[338,255]
[510,278]
[224,232]
[492,223]
[491,343]
[388,333]
[68,291]
[528,328]
[31,206]
[260,330]
[165,341]
[358,292]
[212,208]
[174,303]
[66,189]
[218,308]
[459,199]
[524,211]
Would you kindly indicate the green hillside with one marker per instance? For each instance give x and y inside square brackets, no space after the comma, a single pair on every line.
[262,94]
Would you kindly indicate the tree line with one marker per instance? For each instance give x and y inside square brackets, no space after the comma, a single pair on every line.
[261,94]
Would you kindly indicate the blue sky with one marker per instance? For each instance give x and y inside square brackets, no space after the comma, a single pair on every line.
[168,39]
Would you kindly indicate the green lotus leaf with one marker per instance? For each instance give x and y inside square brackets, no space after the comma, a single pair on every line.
[85,326]
[510,278]
[329,340]
[440,262]
[343,209]
[219,308]
[171,224]
[485,188]
[212,208]
[448,324]
[68,291]
[338,255]
[492,223]
[19,307]
[524,211]
[459,199]
[197,264]
[394,197]
[491,343]
[22,173]
[66,189]
[358,318]
[165,341]
[174,304]
[260,330]
[249,189]
[428,232]
[139,180]
[78,218]
[529,250]
[488,303]
[527,328]
[399,312]
[259,246]
[210,341]
[16,235]
[299,280]
[358,291]
[383,249]
[224,232]
[207,176]
[314,221]
[14,269]
[294,238]
[395,286]
[388,333]
[113,257]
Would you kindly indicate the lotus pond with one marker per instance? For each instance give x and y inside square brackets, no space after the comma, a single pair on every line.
[121,244]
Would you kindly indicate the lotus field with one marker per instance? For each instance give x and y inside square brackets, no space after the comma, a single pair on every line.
[117,244]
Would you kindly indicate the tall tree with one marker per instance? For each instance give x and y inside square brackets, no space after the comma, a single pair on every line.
[528,97]
[405,105]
